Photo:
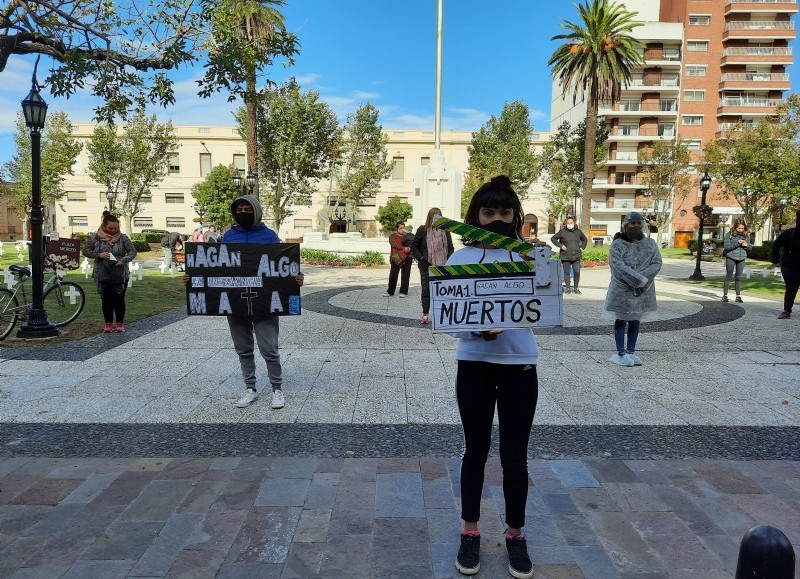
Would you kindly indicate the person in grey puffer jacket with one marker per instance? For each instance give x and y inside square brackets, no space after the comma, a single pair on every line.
[634,260]
[737,244]
[570,241]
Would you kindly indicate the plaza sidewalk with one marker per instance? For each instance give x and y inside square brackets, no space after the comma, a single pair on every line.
[122,456]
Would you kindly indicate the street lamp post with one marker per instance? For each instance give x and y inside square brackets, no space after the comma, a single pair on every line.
[340,217]
[201,211]
[35,110]
[242,183]
[705,185]
[110,196]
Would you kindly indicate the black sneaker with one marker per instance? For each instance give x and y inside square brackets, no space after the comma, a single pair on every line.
[468,561]
[739,300]
[567,290]
[519,563]
[576,291]
[724,298]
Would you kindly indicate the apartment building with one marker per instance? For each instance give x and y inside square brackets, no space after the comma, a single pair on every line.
[708,64]
[170,205]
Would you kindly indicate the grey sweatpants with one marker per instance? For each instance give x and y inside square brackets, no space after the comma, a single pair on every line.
[266,334]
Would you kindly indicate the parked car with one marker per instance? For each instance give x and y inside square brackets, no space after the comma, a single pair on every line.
[161,231]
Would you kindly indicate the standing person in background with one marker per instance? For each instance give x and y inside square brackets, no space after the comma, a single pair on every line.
[786,255]
[212,235]
[496,368]
[737,244]
[431,246]
[634,260]
[248,228]
[399,260]
[570,241]
[112,252]
[197,235]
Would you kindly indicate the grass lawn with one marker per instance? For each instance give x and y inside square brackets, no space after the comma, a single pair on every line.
[770,287]
[156,293]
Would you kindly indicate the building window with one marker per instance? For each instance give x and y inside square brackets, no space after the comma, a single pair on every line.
[145,199]
[176,223]
[203,130]
[398,199]
[692,144]
[303,224]
[368,202]
[699,19]
[76,195]
[143,222]
[697,45]
[668,105]
[78,220]
[205,164]
[628,130]
[694,95]
[174,164]
[399,169]
[692,120]
[173,197]
[672,54]
[696,70]
[424,161]
[239,163]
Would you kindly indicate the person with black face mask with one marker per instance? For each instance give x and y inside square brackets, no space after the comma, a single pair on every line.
[570,241]
[634,260]
[248,228]
[431,246]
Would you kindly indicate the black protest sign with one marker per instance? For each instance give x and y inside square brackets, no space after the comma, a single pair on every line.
[242,279]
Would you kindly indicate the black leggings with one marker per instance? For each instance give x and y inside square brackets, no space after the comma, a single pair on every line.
[113,303]
[515,390]
[576,271]
[732,266]
[791,277]
[425,288]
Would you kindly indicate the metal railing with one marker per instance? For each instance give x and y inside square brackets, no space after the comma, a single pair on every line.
[762,1]
[755,76]
[757,51]
[636,82]
[759,25]
[742,102]
[639,132]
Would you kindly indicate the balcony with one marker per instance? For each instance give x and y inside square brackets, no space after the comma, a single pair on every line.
[759,30]
[616,207]
[755,80]
[724,128]
[757,55]
[747,106]
[736,6]
[640,134]
[662,85]
[623,159]
[635,110]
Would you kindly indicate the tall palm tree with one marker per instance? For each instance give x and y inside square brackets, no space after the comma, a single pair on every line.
[596,58]
[259,23]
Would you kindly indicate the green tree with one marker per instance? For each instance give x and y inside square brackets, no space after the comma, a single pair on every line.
[364,158]
[133,162]
[561,164]
[596,58]
[58,153]
[299,140]
[502,146]
[217,192]
[247,36]
[668,176]
[392,212]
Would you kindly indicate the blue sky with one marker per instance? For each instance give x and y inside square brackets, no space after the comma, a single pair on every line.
[355,51]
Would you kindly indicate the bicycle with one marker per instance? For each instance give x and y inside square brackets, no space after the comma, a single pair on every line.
[63,300]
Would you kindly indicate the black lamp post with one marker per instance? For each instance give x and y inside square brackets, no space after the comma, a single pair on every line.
[35,110]
[242,183]
[705,185]
[201,211]
[110,195]
[340,217]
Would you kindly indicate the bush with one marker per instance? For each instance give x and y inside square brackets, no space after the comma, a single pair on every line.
[321,257]
[762,252]
[147,237]
[140,245]
[595,253]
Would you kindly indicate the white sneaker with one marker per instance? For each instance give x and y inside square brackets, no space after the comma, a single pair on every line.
[387,294]
[637,361]
[623,360]
[247,398]
[277,399]
[403,295]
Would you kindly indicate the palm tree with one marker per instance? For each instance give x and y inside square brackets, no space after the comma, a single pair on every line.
[258,24]
[597,57]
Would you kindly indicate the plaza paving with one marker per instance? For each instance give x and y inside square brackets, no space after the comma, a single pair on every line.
[122,456]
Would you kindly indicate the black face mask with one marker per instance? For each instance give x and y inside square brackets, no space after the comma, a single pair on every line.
[501,227]
[634,233]
[246,220]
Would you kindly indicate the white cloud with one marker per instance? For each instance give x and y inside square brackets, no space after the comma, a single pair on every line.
[306,79]
[364,95]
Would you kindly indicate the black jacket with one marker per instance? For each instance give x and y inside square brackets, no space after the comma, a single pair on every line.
[789,241]
[575,242]
[419,247]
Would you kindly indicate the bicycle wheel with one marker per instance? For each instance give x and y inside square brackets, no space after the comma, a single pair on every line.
[64,302]
[8,313]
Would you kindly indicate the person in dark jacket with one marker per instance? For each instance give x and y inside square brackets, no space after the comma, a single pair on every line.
[248,228]
[431,246]
[737,244]
[786,254]
[570,241]
[399,260]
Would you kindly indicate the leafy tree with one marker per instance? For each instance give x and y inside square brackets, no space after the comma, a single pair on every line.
[561,164]
[667,175]
[597,57]
[299,139]
[58,154]
[131,163]
[247,36]
[503,146]
[392,212]
[364,158]
[217,192]
[756,165]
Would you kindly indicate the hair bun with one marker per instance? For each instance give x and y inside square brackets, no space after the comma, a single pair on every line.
[501,181]
[106,213]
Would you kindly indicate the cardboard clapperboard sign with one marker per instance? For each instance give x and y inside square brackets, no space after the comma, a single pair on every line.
[497,296]
[242,279]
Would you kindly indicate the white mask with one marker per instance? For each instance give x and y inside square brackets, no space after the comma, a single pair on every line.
[435,217]
[570,227]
